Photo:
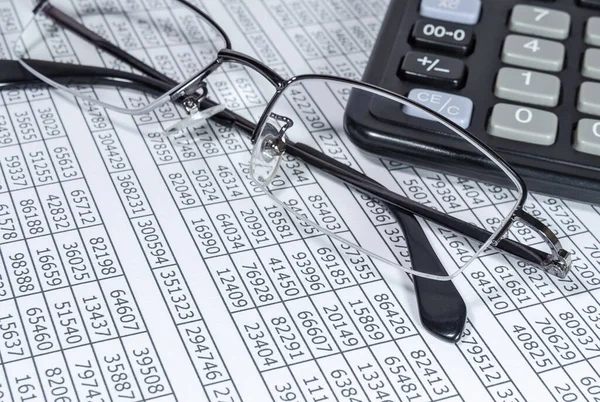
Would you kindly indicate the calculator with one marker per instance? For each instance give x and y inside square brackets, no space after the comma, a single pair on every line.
[521,75]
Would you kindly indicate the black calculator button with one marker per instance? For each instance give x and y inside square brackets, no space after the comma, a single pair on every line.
[434,70]
[589,3]
[443,37]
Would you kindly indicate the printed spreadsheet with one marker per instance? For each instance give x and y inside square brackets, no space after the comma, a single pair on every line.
[138,266]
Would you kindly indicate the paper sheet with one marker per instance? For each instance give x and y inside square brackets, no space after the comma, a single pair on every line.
[115,286]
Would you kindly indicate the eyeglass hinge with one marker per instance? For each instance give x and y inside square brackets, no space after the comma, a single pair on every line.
[192,101]
[558,262]
[560,265]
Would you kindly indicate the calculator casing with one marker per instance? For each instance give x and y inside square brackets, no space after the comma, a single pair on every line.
[556,170]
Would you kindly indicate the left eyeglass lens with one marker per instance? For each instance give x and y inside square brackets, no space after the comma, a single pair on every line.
[170,37]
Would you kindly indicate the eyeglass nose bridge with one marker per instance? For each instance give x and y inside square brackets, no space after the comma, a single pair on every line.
[558,262]
[226,55]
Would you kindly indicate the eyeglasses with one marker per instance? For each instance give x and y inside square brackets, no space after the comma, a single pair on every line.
[290,130]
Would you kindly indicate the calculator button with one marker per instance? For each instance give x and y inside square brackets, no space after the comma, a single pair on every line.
[587,137]
[442,36]
[589,3]
[440,71]
[523,124]
[591,64]
[460,11]
[527,86]
[592,31]
[540,21]
[541,54]
[455,108]
[589,98]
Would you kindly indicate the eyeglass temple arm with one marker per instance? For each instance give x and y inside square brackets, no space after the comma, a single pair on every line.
[162,81]
[73,25]
[356,179]
[12,73]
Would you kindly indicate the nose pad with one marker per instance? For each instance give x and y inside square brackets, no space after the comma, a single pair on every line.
[266,154]
[195,119]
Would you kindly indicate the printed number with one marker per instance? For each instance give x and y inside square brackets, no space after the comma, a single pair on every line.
[541,13]
[533,45]
[523,115]
[596,129]
[527,76]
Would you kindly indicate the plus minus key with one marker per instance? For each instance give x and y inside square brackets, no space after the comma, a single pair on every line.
[433,70]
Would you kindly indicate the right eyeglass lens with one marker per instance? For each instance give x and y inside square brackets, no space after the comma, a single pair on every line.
[171,38]
[322,121]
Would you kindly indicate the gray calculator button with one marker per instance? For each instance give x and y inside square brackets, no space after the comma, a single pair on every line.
[460,11]
[523,124]
[589,98]
[591,64]
[592,31]
[540,21]
[587,137]
[541,54]
[456,108]
[527,86]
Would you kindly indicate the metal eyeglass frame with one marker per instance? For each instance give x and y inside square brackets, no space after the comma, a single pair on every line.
[556,263]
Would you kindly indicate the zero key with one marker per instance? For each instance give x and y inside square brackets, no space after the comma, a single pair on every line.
[523,124]
[440,71]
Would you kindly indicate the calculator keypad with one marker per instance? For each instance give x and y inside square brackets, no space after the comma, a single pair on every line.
[530,69]
[533,54]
